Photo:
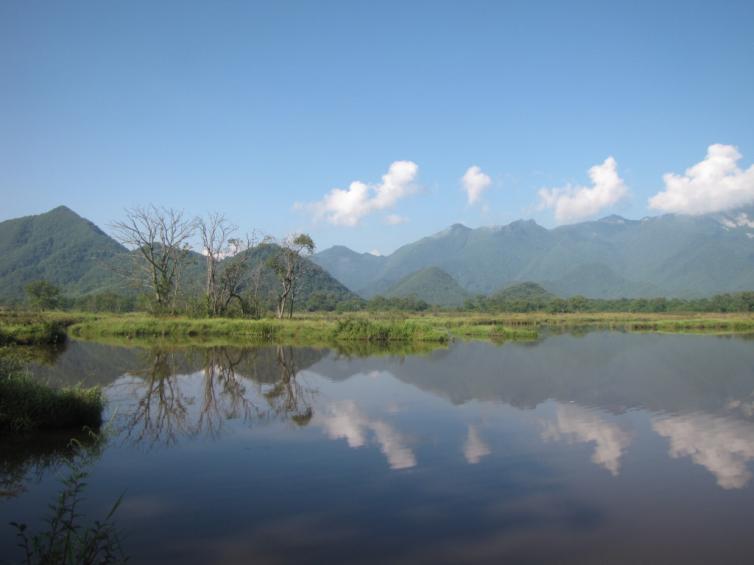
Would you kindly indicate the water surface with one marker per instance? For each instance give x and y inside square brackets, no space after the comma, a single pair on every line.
[602,448]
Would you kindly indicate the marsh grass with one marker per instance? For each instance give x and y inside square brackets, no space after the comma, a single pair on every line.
[46,332]
[27,405]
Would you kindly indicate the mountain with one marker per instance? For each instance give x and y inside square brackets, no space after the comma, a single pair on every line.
[527,291]
[669,255]
[432,285]
[59,246]
[71,252]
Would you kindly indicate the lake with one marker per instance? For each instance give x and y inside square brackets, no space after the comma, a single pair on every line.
[605,447]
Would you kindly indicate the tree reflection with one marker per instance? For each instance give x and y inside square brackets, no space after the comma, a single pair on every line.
[162,409]
[182,394]
[287,397]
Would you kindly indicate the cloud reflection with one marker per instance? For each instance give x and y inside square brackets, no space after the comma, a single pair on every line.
[474,448]
[576,424]
[721,445]
[344,420]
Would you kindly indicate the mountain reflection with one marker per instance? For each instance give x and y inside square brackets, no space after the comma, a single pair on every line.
[575,424]
[721,445]
[164,402]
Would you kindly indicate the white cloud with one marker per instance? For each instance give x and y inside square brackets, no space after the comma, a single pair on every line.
[721,445]
[573,203]
[575,424]
[712,185]
[474,448]
[740,221]
[344,420]
[347,207]
[395,219]
[475,182]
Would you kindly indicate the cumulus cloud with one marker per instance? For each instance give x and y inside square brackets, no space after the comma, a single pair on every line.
[346,207]
[723,446]
[344,420]
[573,203]
[712,185]
[474,448]
[576,424]
[474,182]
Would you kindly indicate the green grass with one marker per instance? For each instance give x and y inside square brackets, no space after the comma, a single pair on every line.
[28,405]
[326,329]
[49,332]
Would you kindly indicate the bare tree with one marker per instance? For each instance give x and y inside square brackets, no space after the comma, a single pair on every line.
[216,233]
[161,237]
[287,266]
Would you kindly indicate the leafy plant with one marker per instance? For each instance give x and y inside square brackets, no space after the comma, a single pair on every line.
[66,539]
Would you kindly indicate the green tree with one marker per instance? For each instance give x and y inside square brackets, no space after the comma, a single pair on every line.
[287,266]
[43,295]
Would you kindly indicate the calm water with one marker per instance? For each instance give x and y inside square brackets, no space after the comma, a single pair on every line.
[602,448]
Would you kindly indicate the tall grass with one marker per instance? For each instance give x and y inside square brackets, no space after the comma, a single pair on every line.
[48,332]
[26,404]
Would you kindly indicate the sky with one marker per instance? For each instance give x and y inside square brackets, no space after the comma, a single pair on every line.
[372,124]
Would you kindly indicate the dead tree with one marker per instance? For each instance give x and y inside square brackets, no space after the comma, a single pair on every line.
[160,236]
[216,233]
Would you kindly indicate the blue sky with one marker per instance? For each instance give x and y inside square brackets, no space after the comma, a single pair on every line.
[261,109]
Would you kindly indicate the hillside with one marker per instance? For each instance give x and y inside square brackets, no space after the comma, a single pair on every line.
[71,252]
[59,246]
[432,285]
[670,255]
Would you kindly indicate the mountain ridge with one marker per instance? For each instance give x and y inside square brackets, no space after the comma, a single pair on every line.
[68,250]
[611,257]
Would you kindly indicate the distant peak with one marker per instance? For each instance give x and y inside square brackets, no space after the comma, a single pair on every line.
[455,228]
[613,219]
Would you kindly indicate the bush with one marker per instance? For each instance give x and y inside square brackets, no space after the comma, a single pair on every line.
[29,405]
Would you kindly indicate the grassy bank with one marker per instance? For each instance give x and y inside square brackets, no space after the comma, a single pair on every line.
[306,329]
[27,405]
[324,329]
[48,332]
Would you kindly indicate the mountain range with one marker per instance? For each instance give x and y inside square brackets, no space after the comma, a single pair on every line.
[669,255]
[71,252]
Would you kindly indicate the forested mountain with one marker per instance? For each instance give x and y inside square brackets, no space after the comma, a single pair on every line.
[432,285]
[71,252]
[670,255]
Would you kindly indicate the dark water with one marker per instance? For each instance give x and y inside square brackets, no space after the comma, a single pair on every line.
[603,448]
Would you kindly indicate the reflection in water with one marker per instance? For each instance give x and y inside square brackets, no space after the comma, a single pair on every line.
[24,459]
[344,420]
[472,414]
[576,424]
[722,445]
[161,404]
[474,448]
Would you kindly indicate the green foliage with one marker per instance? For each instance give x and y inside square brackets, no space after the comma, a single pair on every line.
[66,540]
[361,329]
[29,405]
[403,304]
[31,332]
[431,285]
[530,297]
[43,295]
